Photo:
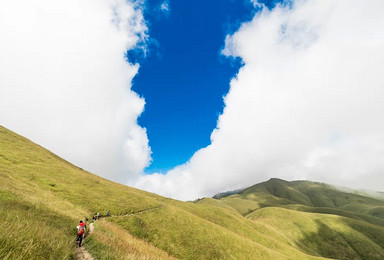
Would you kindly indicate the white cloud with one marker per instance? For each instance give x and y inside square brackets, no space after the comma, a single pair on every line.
[307,104]
[164,7]
[65,84]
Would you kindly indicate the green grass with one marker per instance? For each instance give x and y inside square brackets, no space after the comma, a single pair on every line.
[29,231]
[196,237]
[276,192]
[332,211]
[110,241]
[42,198]
[326,235]
[314,217]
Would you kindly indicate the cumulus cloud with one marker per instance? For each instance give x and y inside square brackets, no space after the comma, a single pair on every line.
[65,84]
[307,104]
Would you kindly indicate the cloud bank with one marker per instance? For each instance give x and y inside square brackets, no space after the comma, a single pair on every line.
[307,104]
[65,84]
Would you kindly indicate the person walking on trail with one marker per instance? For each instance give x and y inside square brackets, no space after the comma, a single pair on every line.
[108,213]
[85,223]
[80,232]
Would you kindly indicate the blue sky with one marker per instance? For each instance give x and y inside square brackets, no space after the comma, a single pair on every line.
[183,77]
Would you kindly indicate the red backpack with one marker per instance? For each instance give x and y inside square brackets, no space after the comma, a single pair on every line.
[80,229]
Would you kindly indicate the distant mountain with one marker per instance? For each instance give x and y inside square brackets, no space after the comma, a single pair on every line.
[319,218]
[226,193]
[42,198]
[281,193]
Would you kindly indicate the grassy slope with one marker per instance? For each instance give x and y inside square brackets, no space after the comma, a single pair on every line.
[43,197]
[109,241]
[327,235]
[315,217]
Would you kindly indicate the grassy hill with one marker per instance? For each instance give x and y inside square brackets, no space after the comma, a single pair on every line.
[306,194]
[317,218]
[42,198]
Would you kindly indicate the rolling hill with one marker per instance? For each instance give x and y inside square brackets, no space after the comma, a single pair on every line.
[42,198]
[321,219]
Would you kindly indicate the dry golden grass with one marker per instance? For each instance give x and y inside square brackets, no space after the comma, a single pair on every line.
[116,243]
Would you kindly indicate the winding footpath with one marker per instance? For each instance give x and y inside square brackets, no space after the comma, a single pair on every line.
[138,212]
[82,254]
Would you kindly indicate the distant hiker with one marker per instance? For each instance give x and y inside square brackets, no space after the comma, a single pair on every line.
[80,232]
[95,217]
[98,215]
[108,213]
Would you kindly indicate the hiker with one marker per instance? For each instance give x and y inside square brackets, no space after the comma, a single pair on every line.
[85,223]
[80,232]
[98,215]
[108,213]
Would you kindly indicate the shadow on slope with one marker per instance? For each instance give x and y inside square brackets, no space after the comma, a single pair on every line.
[359,241]
[325,235]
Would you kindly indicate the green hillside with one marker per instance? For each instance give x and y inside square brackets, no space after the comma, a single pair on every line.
[318,218]
[42,198]
[276,192]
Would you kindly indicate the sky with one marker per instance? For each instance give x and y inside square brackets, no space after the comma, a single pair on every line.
[183,75]
[188,99]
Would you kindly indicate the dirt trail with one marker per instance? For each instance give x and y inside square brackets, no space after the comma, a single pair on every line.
[80,252]
[90,229]
[138,212]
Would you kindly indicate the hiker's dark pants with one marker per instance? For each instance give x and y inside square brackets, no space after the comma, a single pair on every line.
[80,239]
